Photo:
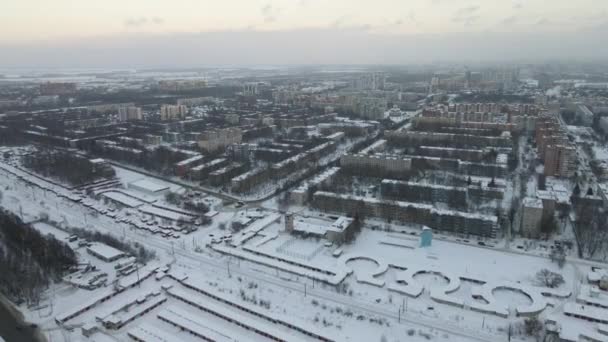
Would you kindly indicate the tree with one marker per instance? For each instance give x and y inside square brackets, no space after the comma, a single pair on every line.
[592,234]
[548,225]
[29,261]
[558,255]
[533,326]
[549,279]
[576,192]
[173,198]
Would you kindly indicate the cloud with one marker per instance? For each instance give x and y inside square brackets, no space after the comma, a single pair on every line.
[466,15]
[518,5]
[543,21]
[412,17]
[136,22]
[270,12]
[143,21]
[158,20]
[467,10]
[509,20]
[338,23]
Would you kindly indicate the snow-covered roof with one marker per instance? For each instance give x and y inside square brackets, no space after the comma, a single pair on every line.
[190,160]
[122,199]
[209,164]
[150,333]
[340,224]
[531,202]
[428,185]
[105,251]
[164,213]
[586,312]
[149,185]
[596,275]
[592,295]
[429,207]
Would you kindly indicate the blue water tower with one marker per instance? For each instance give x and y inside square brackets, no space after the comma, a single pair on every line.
[426,237]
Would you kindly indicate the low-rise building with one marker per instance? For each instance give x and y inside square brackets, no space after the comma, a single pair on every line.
[104,252]
[407,212]
[149,187]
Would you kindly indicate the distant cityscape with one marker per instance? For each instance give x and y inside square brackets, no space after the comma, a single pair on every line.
[439,202]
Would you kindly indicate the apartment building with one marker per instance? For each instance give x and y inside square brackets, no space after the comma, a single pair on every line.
[554,147]
[382,165]
[407,212]
[129,113]
[531,218]
[218,139]
[173,112]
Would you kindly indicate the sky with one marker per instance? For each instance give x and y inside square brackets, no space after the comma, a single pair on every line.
[132,33]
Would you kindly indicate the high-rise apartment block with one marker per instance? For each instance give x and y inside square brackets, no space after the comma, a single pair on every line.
[554,148]
[172,112]
[129,113]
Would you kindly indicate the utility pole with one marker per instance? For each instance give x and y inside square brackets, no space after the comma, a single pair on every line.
[304,289]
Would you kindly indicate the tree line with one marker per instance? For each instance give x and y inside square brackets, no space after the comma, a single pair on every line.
[29,261]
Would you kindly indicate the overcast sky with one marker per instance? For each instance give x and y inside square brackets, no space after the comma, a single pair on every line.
[141,33]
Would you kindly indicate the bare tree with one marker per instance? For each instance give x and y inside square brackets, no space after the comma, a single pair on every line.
[592,237]
[533,327]
[549,279]
[558,255]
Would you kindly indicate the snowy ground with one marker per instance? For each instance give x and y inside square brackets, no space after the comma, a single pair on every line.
[355,310]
